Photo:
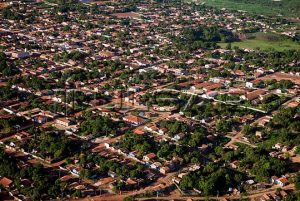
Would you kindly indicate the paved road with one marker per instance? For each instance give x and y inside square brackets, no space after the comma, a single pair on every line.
[236,138]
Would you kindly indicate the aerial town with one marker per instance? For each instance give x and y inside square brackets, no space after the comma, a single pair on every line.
[147,100]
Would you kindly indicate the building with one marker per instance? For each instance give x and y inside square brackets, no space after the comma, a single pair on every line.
[20,55]
[134,120]
[6,182]
[253,95]
[165,170]
[282,181]
[149,157]
[63,121]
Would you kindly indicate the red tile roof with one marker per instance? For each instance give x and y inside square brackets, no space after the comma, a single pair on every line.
[134,119]
[5,182]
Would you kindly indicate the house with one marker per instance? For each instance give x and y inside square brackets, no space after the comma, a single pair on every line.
[131,183]
[273,179]
[6,182]
[246,118]
[210,94]
[212,87]
[156,166]
[134,89]
[22,135]
[163,131]
[179,136]
[40,119]
[176,180]
[138,131]
[68,178]
[283,193]
[275,196]
[277,146]
[201,85]
[134,120]
[20,55]
[74,170]
[132,154]
[263,121]
[259,134]
[210,65]
[48,114]
[106,145]
[249,85]
[165,170]
[264,197]
[151,128]
[63,121]
[181,175]
[97,102]
[238,73]
[149,157]
[235,164]
[250,182]
[253,95]
[112,174]
[282,181]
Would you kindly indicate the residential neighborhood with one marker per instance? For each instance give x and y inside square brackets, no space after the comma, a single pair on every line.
[146,100]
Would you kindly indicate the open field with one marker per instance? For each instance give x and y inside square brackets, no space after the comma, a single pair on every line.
[286,8]
[265,41]
[264,45]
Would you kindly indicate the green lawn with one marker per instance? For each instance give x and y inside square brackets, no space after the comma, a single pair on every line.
[286,8]
[264,45]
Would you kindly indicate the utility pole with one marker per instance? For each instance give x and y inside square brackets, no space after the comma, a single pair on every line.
[55,106]
[121,97]
[73,104]
[65,101]
[133,97]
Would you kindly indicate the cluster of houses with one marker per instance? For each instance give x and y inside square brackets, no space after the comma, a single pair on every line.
[112,56]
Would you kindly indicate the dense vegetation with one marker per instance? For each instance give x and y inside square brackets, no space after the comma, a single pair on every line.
[211,180]
[174,127]
[88,162]
[42,182]
[208,110]
[99,126]
[6,93]
[143,144]
[256,161]
[52,145]
[284,128]
[6,68]
[202,37]
[8,124]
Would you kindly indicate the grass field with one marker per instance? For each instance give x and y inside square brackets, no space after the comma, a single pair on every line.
[265,41]
[286,8]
